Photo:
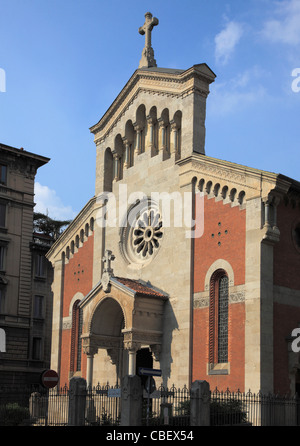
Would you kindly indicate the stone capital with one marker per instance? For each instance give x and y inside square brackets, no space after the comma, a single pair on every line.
[88,346]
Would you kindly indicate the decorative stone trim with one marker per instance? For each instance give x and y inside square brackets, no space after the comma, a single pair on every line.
[236,295]
[219,264]
[218,369]
[67,323]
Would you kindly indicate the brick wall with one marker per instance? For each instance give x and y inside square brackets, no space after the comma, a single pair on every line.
[223,238]
[78,278]
[286,314]
[286,255]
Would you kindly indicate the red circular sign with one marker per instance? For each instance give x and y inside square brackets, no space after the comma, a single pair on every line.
[49,379]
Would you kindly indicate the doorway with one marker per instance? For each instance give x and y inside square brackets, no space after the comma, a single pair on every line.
[144,359]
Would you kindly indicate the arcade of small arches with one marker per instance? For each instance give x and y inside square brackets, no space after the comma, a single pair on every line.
[153,131]
[222,192]
[78,240]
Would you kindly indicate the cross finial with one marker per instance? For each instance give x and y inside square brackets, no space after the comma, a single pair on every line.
[107,259]
[147,59]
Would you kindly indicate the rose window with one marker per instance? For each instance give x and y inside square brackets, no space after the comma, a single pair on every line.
[147,233]
[142,236]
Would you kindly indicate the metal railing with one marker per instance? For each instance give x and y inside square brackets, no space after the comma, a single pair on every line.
[103,405]
[167,406]
[255,409]
[164,406]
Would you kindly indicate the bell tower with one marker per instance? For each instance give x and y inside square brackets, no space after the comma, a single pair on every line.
[160,112]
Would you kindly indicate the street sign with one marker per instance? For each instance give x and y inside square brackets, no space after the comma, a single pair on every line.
[49,379]
[149,372]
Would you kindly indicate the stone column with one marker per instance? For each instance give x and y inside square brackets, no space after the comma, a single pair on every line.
[132,362]
[200,404]
[77,401]
[162,139]
[127,154]
[174,139]
[138,141]
[267,214]
[90,350]
[58,291]
[89,372]
[131,407]
[151,134]
[132,348]
[116,166]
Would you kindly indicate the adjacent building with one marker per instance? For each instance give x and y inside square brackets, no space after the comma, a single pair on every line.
[25,273]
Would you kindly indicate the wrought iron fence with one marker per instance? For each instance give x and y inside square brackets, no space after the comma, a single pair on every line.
[103,405]
[164,406]
[167,406]
[33,405]
[37,406]
[255,409]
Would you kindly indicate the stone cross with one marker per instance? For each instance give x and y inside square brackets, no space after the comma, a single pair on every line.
[107,259]
[147,59]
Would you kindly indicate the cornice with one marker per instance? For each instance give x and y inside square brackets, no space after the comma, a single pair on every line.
[73,227]
[175,83]
[222,168]
[239,174]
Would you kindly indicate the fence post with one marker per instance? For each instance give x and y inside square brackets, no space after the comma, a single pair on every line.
[131,404]
[35,405]
[77,398]
[200,404]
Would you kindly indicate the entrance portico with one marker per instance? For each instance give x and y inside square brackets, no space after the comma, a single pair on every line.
[121,316]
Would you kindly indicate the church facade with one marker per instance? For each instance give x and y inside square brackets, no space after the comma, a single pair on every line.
[179,262]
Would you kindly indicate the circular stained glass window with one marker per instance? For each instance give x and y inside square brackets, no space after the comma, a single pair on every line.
[142,236]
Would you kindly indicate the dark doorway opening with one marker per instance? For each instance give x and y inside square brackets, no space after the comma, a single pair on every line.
[143,359]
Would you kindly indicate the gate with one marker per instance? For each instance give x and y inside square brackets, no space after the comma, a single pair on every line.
[166,406]
[103,406]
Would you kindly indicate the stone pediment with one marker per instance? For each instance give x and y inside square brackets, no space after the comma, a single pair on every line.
[122,310]
[132,288]
[174,83]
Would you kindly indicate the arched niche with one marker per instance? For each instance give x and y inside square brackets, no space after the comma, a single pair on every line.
[108,170]
[108,319]
[176,122]
[129,144]
[119,154]
[165,133]
[154,131]
[140,128]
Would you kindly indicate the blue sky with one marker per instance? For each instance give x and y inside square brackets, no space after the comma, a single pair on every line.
[63,62]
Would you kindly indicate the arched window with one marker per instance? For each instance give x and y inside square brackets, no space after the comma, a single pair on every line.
[218,318]
[75,360]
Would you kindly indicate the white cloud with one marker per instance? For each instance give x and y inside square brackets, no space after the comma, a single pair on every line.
[237,93]
[284,27]
[47,202]
[226,41]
